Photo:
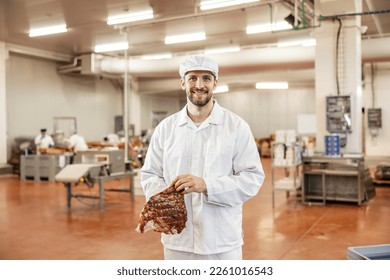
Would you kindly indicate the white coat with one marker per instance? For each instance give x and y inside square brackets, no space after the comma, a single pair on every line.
[44,141]
[78,143]
[223,152]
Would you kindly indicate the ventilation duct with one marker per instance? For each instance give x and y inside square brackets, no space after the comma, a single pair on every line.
[89,64]
[98,64]
[71,68]
[113,65]
[86,64]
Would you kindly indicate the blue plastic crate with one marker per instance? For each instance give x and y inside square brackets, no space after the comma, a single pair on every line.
[374,252]
[332,145]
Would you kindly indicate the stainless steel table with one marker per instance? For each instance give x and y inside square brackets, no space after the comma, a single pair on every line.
[333,178]
[76,173]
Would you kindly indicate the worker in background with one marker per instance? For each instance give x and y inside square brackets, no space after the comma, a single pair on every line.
[77,143]
[208,154]
[43,140]
[111,139]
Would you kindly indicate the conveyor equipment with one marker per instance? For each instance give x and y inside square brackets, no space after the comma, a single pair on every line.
[89,174]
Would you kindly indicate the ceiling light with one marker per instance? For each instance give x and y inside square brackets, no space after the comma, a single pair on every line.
[221,88]
[222,50]
[272,85]
[215,4]
[156,56]
[112,47]
[309,43]
[48,30]
[130,17]
[185,38]
[261,28]
[303,43]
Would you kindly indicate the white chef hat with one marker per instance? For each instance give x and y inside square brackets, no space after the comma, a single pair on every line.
[198,63]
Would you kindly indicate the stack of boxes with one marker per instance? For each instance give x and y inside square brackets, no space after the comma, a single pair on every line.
[285,136]
[278,154]
[286,152]
[290,157]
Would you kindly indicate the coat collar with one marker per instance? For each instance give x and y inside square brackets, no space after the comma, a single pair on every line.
[216,116]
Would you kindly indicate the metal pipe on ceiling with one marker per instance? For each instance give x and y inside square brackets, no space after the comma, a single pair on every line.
[70,67]
[294,7]
[29,51]
[196,14]
[332,17]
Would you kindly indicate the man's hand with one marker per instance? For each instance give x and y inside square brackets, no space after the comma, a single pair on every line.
[188,183]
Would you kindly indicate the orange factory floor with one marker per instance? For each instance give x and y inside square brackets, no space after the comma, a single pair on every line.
[35,224]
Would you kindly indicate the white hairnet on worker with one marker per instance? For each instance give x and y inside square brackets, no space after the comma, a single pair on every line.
[198,63]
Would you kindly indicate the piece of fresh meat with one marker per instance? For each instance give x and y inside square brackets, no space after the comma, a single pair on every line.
[164,212]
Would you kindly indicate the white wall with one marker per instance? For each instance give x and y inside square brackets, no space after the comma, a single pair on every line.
[150,104]
[36,94]
[267,111]
[3,114]
[379,145]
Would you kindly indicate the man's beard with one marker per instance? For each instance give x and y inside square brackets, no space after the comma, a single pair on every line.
[200,103]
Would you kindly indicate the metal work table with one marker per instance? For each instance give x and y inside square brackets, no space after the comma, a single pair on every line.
[334,178]
[89,174]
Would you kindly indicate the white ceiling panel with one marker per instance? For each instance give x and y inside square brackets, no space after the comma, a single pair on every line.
[87,27]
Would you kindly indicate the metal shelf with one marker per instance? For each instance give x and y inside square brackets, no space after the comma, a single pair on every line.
[287,157]
[287,184]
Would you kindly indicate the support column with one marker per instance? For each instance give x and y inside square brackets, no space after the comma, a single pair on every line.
[3,107]
[353,82]
[132,105]
[135,106]
[325,73]
[349,74]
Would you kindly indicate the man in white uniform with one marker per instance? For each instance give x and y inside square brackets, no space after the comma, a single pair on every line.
[77,143]
[43,140]
[210,154]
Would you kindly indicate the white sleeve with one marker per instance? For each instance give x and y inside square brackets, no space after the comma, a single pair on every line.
[37,140]
[247,177]
[72,141]
[152,179]
[51,142]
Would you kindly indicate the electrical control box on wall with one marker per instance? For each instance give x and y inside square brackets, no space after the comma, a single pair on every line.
[338,114]
[374,116]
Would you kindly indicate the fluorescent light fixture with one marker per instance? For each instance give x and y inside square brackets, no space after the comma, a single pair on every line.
[221,88]
[272,85]
[190,37]
[48,30]
[112,47]
[156,56]
[303,43]
[215,4]
[130,17]
[309,43]
[222,50]
[261,28]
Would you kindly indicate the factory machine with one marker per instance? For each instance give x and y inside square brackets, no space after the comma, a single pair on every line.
[92,167]
[113,159]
